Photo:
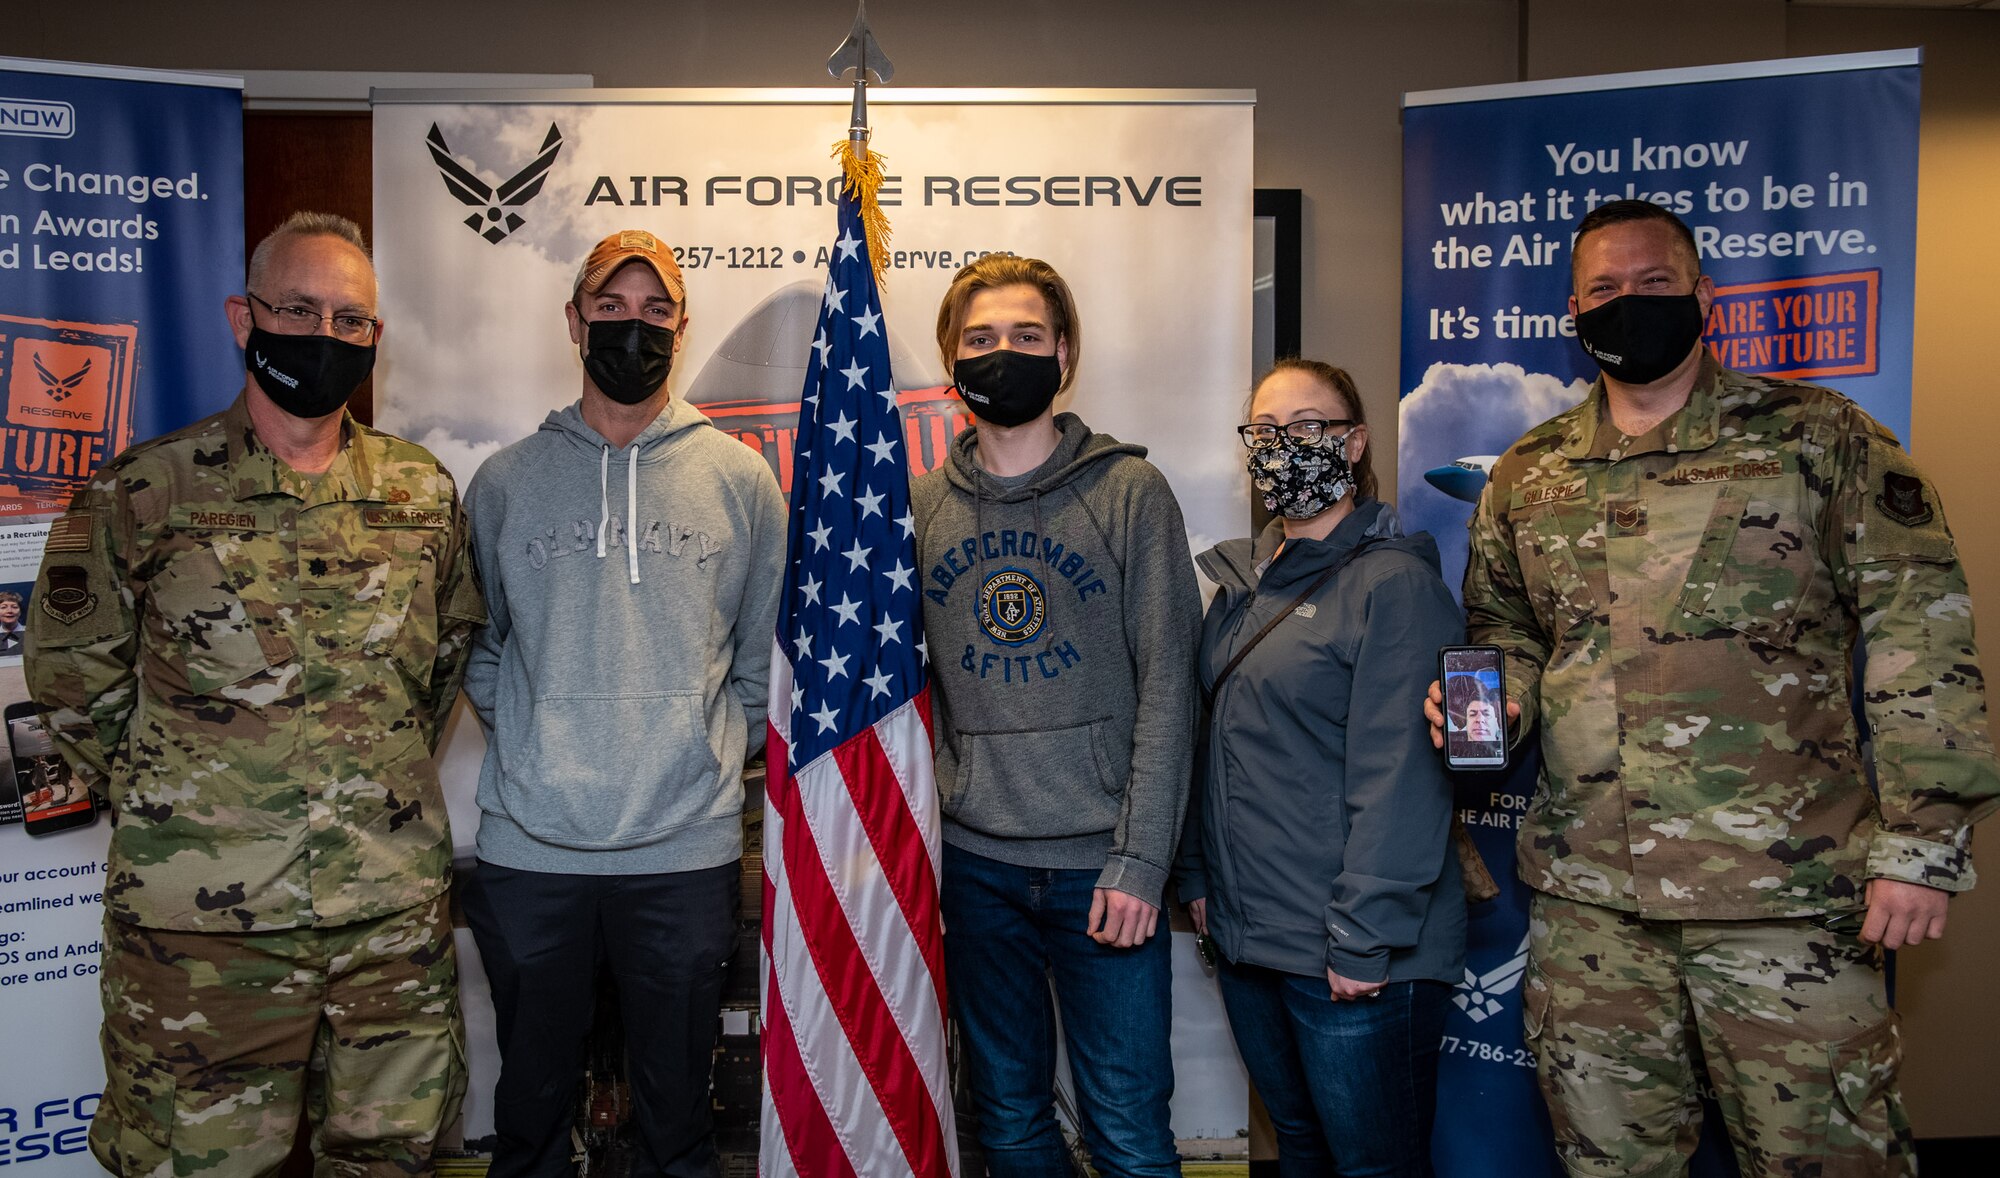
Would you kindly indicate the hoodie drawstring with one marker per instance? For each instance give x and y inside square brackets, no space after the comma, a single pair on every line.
[603,498]
[631,516]
[631,508]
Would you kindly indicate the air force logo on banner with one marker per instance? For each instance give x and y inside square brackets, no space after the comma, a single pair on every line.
[1012,607]
[495,218]
[1479,995]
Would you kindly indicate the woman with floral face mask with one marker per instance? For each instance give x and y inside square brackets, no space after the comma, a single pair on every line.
[1317,853]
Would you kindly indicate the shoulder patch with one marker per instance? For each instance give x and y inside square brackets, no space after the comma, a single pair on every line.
[67,597]
[69,533]
[1902,499]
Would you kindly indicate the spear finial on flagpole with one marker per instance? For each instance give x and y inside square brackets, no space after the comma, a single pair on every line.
[861,55]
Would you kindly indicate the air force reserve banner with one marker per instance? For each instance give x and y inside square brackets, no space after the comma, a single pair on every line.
[1142,199]
[1798,179]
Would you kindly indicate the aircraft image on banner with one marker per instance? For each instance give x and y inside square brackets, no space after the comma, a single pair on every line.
[1463,478]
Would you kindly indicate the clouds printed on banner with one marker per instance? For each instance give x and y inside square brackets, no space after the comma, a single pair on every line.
[496,292]
[1459,410]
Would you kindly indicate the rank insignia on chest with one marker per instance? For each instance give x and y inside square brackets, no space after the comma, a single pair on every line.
[1902,499]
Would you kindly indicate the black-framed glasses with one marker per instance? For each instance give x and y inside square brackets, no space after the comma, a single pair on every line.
[355,329]
[1260,435]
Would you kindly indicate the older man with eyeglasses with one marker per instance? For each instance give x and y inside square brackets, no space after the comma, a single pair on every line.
[248,634]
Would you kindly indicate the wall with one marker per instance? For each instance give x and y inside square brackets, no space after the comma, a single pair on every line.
[1329,77]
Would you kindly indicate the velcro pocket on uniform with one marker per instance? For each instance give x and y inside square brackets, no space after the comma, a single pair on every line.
[199,605]
[138,1104]
[1864,1071]
[406,622]
[1752,579]
[1553,577]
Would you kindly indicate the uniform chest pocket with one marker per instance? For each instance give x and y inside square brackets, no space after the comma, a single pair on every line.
[1553,576]
[209,626]
[405,627]
[1754,569]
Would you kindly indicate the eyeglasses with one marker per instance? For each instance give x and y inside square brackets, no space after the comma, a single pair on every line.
[1310,430]
[355,329]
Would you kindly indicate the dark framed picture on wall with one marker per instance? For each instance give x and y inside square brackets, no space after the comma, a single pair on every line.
[1274,300]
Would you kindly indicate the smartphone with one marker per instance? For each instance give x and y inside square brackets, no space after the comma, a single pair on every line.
[1474,680]
[52,798]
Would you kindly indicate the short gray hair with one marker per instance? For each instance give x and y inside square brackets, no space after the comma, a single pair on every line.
[304,224]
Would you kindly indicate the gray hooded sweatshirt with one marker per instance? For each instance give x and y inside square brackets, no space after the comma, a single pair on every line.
[1061,615]
[633,595]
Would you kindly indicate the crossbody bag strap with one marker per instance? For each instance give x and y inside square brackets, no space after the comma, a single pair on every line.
[1318,582]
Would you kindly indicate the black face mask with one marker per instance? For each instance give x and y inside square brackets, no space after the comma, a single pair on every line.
[1638,339]
[1007,388]
[307,375]
[628,359]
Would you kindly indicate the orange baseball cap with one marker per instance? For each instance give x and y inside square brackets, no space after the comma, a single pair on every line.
[624,246]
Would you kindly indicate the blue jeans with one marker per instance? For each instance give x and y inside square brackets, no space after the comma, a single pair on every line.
[1351,1086]
[1007,931]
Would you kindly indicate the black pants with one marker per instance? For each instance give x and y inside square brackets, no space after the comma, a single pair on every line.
[667,939]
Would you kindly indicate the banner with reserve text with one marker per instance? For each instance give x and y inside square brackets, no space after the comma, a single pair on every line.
[1799,179]
[121,232]
[486,204]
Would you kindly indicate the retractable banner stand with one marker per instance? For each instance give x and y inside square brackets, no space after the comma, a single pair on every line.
[121,232]
[1799,180]
[486,203]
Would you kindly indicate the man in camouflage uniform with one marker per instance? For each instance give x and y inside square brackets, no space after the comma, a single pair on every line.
[249,633]
[1678,570]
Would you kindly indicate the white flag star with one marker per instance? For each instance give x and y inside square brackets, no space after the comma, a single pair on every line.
[924,648]
[798,696]
[833,294]
[878,684]
[820,535]
[899,577]
[888,400]
[836,666]
[882,448]
[826,717]
[811,587]
[855,374]
[890,629]
[857,556]
[848,609]
[909,525]
[871,503]
[869,324]
[842,428]
[829,483]
[825,348]
[847,245]
[803,643]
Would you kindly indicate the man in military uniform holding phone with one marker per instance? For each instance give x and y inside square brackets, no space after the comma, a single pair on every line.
[249,634]
[1679,570]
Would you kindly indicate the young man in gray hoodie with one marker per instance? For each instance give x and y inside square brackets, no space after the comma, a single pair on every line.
[634,556]
[1061,615]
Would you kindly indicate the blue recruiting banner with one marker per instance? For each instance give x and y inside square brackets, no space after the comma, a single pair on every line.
[121,232]
[1799,180]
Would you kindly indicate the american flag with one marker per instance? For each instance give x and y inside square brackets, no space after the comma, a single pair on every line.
[854,1003]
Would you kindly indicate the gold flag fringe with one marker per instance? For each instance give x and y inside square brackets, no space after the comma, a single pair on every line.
[863,172]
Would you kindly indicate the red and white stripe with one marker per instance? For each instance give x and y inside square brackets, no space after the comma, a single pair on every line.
[855,1074]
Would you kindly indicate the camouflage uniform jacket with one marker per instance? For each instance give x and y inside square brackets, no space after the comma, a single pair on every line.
[255,664]
[1679,609]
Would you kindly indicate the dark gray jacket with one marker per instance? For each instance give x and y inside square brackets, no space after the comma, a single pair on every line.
[1061,616]
[1320,827]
